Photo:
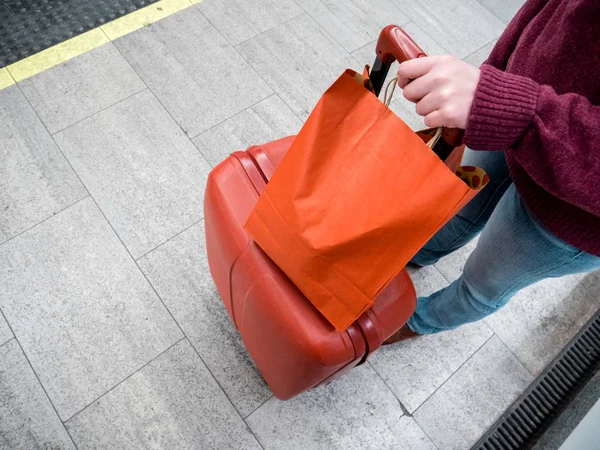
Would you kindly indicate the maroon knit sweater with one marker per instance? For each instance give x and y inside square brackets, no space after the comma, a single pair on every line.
[538,100]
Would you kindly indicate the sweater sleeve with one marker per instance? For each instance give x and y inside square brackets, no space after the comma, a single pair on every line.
[553,137]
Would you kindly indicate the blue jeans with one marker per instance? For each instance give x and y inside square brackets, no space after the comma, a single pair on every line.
[513,252]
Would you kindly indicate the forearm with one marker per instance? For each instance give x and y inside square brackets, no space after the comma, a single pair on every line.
[553,137]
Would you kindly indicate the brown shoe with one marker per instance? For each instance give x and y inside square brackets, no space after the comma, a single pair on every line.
[402,334]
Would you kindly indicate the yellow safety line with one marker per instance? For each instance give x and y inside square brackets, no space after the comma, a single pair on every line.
[5,79]
[57,54]
[90,40]
[143,17]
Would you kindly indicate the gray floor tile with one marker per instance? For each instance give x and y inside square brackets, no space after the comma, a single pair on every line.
[266,121]
[35,179]
[145,174]
[427,280]
[416,368]
[539,321]
[81,87]
[84,314]
[193,71]
[474,397]
[428,44]
[505,10]
[354,412]
[354,23]
[172,403]
[179,272]
[240,20]
[5,333]
[452,265]
[307,61]
[591,281]
[477,59]
[460,26]
[27,419]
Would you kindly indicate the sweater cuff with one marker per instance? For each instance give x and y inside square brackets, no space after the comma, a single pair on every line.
[503,108]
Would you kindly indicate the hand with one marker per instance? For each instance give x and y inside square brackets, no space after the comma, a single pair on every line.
[443,88]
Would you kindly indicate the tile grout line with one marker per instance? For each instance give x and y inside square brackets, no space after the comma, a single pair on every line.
[123,244]
[453,373]
[170,239]
[45,392]
[109,224]
[274,92]
[118,237]
[260,76]
[47,218]
[164,108]
[480,48]
[593,295]
[510,350]
[99,111]
[210,165]
[162,302]
[262,32]
[220,387]
[166,308]
[493,13]
[490,328]
[37,378]
[254,434]
[124,380]
[334,39]
[259,406]
[190,139]
[265,81]
[405,411]
[440,272]
[233,116]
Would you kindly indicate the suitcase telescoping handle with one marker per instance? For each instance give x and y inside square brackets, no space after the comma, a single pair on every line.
[393,45]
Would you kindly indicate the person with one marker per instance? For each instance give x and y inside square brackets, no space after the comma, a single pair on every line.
[531,116]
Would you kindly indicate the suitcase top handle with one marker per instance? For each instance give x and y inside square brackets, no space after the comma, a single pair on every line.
[395,45]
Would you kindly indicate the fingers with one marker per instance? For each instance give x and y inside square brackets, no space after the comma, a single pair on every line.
[427,105]
[434,119]
[419,88]
[429,108]
[415,68]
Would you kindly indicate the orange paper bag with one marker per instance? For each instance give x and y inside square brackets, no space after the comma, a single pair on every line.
[356,197]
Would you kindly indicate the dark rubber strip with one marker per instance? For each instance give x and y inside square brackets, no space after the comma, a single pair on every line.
[522,425]
[30,26]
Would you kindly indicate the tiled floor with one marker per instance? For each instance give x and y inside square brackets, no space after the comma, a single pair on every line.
[111,331]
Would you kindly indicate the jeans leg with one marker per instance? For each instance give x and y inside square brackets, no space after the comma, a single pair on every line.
[514,251]
[469,222]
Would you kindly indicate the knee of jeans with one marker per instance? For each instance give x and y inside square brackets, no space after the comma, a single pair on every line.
[482,303]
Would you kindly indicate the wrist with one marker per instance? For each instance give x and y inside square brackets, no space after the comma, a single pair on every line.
[502,110]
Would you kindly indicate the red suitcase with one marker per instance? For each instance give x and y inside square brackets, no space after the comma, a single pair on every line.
[293,346]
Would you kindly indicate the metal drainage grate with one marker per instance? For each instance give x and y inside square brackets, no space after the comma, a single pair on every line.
[531,414]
